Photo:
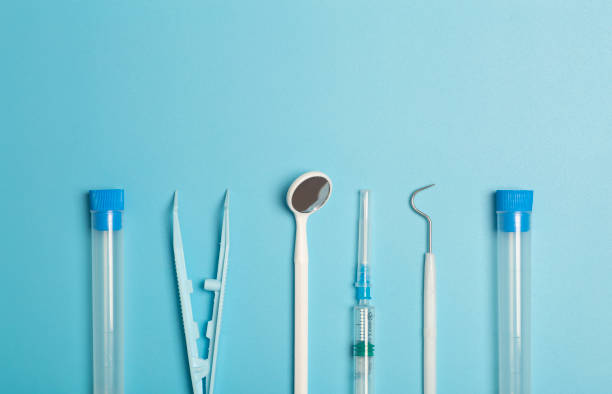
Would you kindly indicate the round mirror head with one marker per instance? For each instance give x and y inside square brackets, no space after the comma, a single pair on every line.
[309,192]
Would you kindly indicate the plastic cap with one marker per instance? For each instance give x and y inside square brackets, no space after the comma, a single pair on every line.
[514,209]
[514,200]
[106,206]
[106,200]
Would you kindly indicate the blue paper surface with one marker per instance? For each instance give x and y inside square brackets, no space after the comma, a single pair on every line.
[200,96]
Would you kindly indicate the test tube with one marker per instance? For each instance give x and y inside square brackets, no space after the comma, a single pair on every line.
[514,289]
[107,289]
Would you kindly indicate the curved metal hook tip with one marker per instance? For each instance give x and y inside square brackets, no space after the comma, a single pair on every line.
[421,212]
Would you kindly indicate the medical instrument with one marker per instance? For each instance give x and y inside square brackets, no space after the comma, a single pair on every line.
[513,209]
[429,308]
[106,207]
[363,311]
[307,194]
[201,368]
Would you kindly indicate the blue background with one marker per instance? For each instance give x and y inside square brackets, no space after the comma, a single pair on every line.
[201,96]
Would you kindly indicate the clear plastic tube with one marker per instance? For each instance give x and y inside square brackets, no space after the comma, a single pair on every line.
[107,290]
[514,290]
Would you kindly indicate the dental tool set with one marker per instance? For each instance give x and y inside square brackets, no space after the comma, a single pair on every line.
[306,195]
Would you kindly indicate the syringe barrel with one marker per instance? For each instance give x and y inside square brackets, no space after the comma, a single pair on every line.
[363,348]
[514,289]
[107,290]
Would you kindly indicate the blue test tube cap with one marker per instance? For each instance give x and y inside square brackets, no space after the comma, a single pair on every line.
[513,203]
[106,206]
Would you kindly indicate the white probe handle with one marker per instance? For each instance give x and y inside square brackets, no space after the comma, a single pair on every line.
[429,325]
[300,259]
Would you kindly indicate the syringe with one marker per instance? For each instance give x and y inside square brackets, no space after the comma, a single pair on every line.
[363,345]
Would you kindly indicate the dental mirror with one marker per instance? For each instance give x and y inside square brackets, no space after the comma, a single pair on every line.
[307,194]
[310,194]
